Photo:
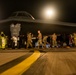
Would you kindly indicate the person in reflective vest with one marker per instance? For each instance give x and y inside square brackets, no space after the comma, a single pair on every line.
[3,40]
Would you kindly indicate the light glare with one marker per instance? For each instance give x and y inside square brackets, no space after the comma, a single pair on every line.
[49,13]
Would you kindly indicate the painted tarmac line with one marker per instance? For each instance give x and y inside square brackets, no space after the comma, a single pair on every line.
[23,66]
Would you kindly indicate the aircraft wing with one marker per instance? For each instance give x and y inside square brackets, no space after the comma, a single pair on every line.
[39,21]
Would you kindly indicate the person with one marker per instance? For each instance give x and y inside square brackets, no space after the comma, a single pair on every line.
[14,42]
[75,39]
[3,40]
[0,42]
[70,40]
[6,37]
[29,40]
[39,39]
[54,42]
[45,41]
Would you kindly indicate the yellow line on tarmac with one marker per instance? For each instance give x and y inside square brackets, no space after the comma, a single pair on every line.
[23,66]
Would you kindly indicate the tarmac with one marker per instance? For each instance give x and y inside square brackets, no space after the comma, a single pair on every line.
[52,61]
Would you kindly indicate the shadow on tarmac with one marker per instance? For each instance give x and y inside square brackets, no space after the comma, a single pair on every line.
[40,49]
[54,50]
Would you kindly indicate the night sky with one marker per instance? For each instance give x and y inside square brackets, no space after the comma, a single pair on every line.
[65,8]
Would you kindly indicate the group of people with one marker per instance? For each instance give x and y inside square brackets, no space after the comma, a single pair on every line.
[28,41]
[39,41]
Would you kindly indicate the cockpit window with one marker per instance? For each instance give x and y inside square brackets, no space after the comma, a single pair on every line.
[21,15]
